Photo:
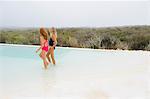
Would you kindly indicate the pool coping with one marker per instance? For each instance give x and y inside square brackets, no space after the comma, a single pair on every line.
[83,49]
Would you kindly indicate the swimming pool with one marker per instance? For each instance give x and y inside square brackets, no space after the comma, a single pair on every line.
[78,74]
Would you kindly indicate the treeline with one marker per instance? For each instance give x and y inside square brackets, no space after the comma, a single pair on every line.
[129,37]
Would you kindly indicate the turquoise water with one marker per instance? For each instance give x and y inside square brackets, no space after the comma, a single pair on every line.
[20,66]
[78,74]
[25,52]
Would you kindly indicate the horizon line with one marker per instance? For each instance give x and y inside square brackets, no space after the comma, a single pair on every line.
[74,26]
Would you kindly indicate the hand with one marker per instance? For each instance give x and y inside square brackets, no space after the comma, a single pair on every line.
[37,50]
[54,46]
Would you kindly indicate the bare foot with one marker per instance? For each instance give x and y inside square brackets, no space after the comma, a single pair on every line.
[47,63]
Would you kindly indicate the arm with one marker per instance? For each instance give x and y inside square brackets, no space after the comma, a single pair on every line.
[55,41]
[38,49]
[42,44]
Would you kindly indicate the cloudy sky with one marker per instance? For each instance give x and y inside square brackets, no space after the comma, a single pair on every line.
[74,13]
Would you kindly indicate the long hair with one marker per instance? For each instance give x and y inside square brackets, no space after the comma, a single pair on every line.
[43,33]
[54,31]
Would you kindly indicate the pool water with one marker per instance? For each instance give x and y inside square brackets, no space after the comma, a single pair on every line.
[78,74]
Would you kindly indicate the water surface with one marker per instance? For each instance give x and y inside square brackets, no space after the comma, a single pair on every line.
[78,74]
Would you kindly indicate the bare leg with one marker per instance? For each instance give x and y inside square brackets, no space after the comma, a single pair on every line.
[40,55]
[45,64]
[44,59]
[52,55]
[47,55]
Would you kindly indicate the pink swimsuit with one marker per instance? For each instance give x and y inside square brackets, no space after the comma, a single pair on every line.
[45,47]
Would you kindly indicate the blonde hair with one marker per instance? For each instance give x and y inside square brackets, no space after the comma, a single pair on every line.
[53,30]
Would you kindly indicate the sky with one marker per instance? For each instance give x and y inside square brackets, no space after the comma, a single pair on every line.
[74,13]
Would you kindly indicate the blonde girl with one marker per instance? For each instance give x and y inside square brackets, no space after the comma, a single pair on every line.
[52,44]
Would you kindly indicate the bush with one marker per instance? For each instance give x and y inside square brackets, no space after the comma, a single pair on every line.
[16,39]
[122,45]
[131,37]
[108,42]
[148,47]
[138,43]
[2,38]
[73,42]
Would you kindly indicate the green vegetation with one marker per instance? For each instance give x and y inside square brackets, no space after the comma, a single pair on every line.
[129,37]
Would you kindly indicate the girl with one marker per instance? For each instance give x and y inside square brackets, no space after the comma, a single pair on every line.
[44,46]
[52,45]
